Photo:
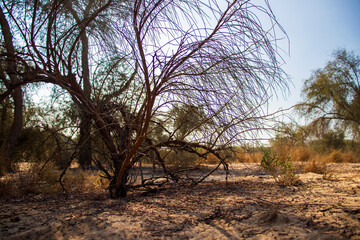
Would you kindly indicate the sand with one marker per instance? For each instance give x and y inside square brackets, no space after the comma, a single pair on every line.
[249,206]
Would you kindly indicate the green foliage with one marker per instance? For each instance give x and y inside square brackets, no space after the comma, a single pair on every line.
[329,140]
[280,169]
[332,94]
[38,145]
[290,134]
[181,159]
[157,131]
[187,119]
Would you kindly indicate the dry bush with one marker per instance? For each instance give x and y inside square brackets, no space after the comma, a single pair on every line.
[300,154]
[83,181]
[100,182]
[211,159]
[34,180]
[39,179]
[337,156]
[319,165]
[229,156]
[330,176]
[330,173]
[181,159]
[349,157]
[248,157]
[44,180]
[289,179]
[315,167]
[281,149]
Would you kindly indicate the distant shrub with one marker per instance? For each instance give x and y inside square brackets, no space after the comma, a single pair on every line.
[211,159]
[31,181]
[315,167]
[81,180]
[37,180]
[337,156]
[300,154]
[248,157]
[349,157]
[182,159]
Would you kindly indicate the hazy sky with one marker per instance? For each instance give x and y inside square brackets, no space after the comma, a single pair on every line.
[315,29]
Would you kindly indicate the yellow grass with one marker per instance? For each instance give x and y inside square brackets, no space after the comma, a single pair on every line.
[32,179]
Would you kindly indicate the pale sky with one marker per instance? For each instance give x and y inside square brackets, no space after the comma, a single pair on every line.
[315,29]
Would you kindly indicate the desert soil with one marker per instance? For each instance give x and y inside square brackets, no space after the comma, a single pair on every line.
[249,206]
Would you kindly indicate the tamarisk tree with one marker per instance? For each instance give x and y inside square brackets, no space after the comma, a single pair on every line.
[166,75]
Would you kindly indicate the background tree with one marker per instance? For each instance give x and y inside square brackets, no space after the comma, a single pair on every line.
[8,77]
[159,54]
[85,152]
[332,94]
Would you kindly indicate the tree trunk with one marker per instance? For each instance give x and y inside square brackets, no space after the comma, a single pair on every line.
[85,155]
[116,190]
[7,149]
[10,143]
[85,152]
[4,117]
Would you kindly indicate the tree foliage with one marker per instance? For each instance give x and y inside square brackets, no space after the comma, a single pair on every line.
[332,94]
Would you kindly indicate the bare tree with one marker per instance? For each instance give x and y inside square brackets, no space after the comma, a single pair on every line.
[159,55]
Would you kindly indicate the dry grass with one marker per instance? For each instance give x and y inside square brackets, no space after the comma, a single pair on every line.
[319,163]
[300,154]
[338,156]
[33,179]
[30,181]
[211,159]
[237,157]
[248,158]
[305,154]
[83,181]
[315,167]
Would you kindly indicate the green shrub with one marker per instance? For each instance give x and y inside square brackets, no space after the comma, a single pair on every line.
[279,168]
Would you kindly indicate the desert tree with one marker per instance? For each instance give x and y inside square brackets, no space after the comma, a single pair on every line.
[332,94]
[216,62]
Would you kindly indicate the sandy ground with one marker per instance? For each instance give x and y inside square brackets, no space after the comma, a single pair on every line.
[249,206]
